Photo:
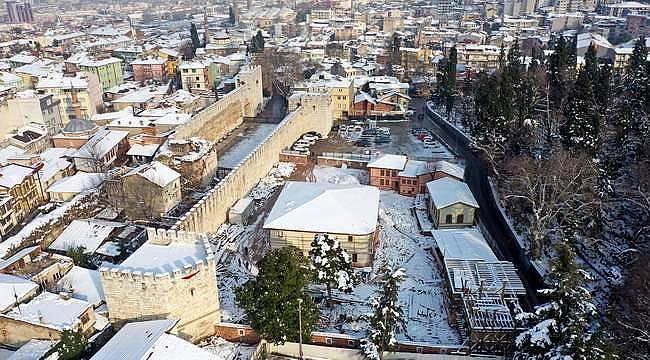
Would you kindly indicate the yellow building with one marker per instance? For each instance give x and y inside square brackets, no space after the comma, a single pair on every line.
[451,203]
[347,213]
[22,185]
[342,92]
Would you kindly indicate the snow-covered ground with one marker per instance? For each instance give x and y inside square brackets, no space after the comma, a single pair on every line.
[226,350]
[342,175]
[247,143]
[421,293]
[401,245]
[237,247]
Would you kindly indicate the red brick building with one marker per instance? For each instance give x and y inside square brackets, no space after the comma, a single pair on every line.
[409,177]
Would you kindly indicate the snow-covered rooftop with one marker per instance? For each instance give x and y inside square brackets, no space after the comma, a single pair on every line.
[325,208]
[77,183]
[12,287]
[164,258]
[33,350]
[50,310]
[12,175]
[156,172]
[83,284]
[463,244]
[89,233]
[143,150]
[150,340]
[389,161]
[447,191]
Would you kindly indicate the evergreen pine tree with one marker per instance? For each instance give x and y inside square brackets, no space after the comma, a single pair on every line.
[71,346]
[194,35]
[582,126]
[450,78]
[387,317]
[561,328]
[231,15]
[259,41]
[271,300]
[331,265]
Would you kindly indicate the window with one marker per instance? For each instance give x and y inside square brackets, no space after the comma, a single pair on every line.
[381,181]
[351,343]
[394,173]
[449,219]
[404,181]
[84,318]
[197,78]
[354,257]
[418,349]
[381,172]
[241,332]
[460,218]
[350,237]
[328,341]
[192,292]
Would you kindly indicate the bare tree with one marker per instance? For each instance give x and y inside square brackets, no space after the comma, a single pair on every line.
[278,69]
[551,196]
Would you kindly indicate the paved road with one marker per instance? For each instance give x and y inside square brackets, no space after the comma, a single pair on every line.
[502,240]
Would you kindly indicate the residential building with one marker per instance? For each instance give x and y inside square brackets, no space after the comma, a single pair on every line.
[7,218]
[80,96]
[622,9]
[87,233]
[68,187]
[45,317]
[15,290]
[345,212]
[30,107]
[30,138]
[108,69]
[147,191]
[105,149]
[451,203]
[19,11]
[150,68]
[128,55]
[171,276]
[195,76]
[21,183]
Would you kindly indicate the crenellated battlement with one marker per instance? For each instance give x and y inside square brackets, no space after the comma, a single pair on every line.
[165,237]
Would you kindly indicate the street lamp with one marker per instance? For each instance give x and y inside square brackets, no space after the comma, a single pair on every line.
[300,328]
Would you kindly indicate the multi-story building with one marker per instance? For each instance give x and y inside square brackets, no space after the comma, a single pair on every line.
[31,107]
[128,55]
[80,96]
[340,89]
[7,217]
[150,68]
[19,11]
[21,183]
[479,57]
[108,69]
[147,191]
[518,7]
[171,276]
[195,76]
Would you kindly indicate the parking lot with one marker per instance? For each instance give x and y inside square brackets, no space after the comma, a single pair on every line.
[398,138]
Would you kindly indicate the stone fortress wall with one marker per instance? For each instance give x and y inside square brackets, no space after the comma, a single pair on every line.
[313,114]
[189,294]
[215,121]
